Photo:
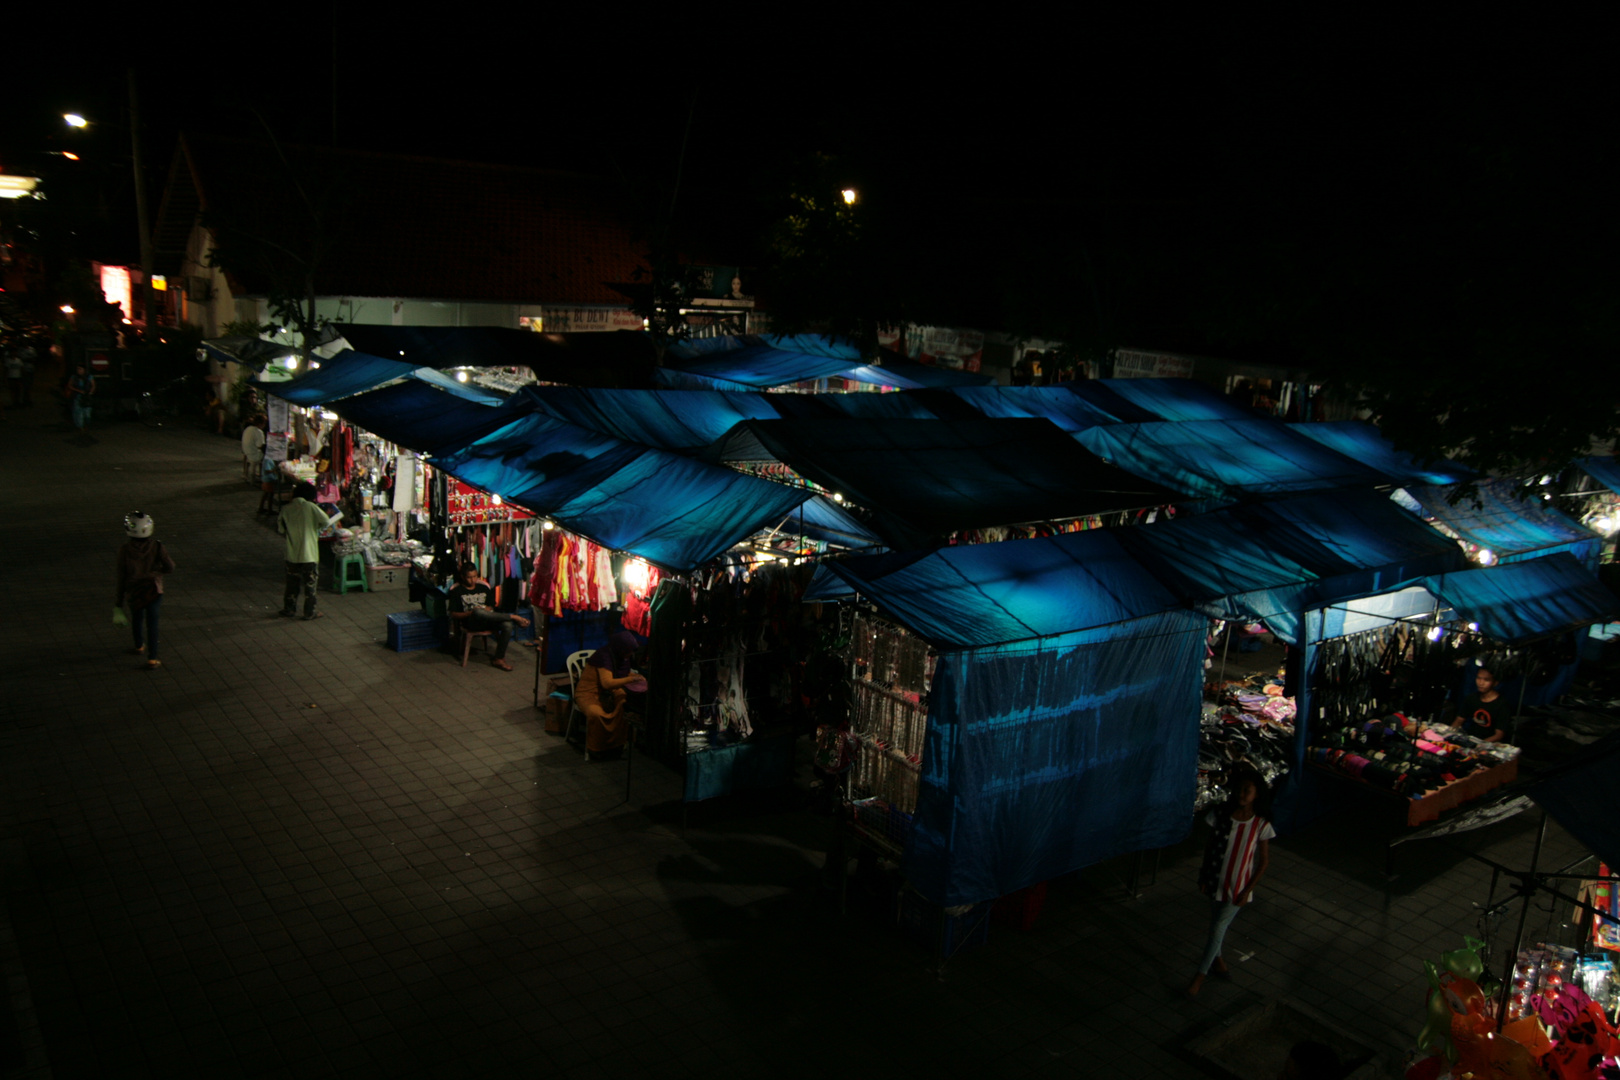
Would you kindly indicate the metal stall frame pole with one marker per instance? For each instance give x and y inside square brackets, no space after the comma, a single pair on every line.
[1527,888]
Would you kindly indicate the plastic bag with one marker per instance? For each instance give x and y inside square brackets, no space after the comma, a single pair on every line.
[119,618]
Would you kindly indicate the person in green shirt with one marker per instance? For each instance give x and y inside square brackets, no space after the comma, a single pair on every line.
[301,522]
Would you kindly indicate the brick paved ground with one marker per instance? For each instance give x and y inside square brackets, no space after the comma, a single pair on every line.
[292,852]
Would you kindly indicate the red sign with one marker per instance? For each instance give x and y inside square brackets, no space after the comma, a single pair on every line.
[99,364]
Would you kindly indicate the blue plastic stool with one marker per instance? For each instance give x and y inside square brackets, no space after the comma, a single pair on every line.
[342,582]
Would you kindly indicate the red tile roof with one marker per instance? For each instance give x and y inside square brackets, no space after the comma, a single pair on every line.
[420,227]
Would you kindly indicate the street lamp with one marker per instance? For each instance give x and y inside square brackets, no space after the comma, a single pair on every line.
[74,120]
[849,196]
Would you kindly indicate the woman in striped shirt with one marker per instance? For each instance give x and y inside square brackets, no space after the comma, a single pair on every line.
[1234,862]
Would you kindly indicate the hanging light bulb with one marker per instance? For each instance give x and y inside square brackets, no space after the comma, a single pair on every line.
[497,500]
[461,376]
[1474,626]
[1485,556]
[548,525]
[1435,632]
[635,575]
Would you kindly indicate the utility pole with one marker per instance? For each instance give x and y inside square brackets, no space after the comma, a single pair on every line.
[141,219]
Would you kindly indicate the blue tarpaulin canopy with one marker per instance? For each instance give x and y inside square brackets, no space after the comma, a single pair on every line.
[680,420]
[1605,470]
[1512,528]
[1276,560]
[1066,409]
[349,373]
[758,362]
[671,510]
[1174,399]
[1226,458]
[924,478]
[1360,441]
[345,375]
[420,417]
[906,374]
[973,595]
[1521,601]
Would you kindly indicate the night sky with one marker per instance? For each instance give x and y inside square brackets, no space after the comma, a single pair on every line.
[1268,190]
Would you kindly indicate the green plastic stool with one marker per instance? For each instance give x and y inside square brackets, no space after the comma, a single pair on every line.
[342,582]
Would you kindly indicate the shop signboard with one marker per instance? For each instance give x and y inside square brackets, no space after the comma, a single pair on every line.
[278,420]
[719,286]
[1131,364]
[944,346]
[578,320]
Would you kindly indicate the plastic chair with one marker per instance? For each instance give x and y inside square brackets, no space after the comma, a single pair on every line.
[467,641]
[342,582]
[576,668]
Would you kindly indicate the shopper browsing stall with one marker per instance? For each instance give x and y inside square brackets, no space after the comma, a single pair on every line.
[301,522]
[1485,713]
[1235,860]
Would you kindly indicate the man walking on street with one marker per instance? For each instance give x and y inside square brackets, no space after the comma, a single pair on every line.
[301,522]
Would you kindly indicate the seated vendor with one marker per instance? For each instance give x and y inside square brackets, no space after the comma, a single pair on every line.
[469,605]
[1485,714]
[603,688]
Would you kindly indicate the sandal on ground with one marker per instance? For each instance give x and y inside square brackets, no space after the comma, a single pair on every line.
[502,664]
[317,615]
[137,650]
[153,665]
[1219,969]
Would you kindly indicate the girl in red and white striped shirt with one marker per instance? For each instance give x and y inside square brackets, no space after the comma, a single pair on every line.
[1237,856]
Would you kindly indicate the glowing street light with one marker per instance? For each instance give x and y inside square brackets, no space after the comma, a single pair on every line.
[67,309]
[75,120]
[849,196]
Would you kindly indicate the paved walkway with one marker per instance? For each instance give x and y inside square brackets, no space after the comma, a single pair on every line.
[293,852]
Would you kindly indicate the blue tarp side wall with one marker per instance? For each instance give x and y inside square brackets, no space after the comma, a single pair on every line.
[1511,527]
[1581,799]
[820,518]
[1605,470]
[419,417]
[1361,441]
[1041,759]
[346,374]
[1518,602]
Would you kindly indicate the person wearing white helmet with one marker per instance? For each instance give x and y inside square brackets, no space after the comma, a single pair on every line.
[142,562]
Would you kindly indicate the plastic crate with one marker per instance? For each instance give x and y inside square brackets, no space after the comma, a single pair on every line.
[881,821]
[943,934]
[1020,909]
[409,631]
